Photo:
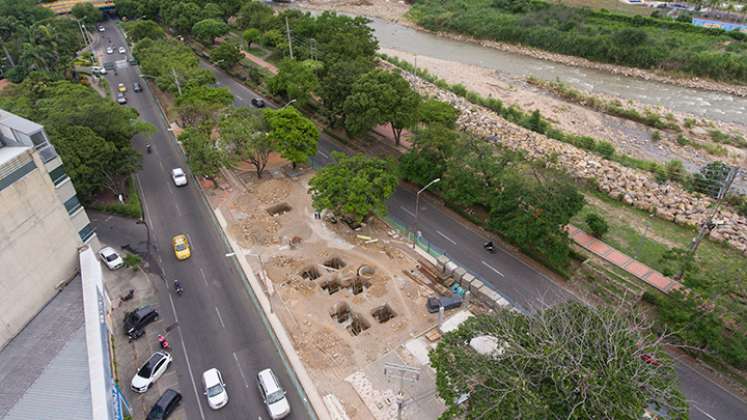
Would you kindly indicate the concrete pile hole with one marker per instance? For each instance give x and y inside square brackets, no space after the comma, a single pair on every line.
[340,312]
[383,313]
[362,278]
[335,263]
[358,324]
[310,273]
[332,286]
[279,209]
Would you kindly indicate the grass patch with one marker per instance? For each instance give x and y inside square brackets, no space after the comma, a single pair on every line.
[130,208]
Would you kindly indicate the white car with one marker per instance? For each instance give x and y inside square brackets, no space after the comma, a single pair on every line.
[101,29]
[151,371]
[215,389]
[179,177]
[122,50]
[110,257]
[273,394]
[109,50]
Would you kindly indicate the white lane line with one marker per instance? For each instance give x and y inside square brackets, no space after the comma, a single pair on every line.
[492,268]
[204,277]
[324,154]
[407,211]
[230,254]
[241,371]
[161,165]
[706,414]
[220,318]
[191,376]
[108,218]
[446,237]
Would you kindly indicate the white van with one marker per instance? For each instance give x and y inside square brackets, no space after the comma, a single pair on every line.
[272,394]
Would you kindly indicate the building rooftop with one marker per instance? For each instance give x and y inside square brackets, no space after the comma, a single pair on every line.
[19,123]
[9,153]
[44,371]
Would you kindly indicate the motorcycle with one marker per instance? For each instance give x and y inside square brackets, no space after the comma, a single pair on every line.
[134,334]
[489,246]
[147,147]
[178,287]
[163,342]
[130,294]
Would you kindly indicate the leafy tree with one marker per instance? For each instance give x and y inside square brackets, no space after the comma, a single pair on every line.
[212,11]
[202,155]
[251,36]
[226,55]
[354,186]
[381,97]
[432,148]
[597,224]
[292,134]
[243,132]
[128,8]
[164,58]
[336,84]
[139,29]
[343,38]
[433,111]
[207,30]
[87,13]
[181,16]
[255,14]
[200,103]
[295,80]
[273,38]
[570,361]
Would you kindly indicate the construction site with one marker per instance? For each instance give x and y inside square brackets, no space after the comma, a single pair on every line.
[352,299]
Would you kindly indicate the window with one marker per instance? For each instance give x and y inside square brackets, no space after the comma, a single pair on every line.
[86,232]
[72,204]
[39,139]
[58,175]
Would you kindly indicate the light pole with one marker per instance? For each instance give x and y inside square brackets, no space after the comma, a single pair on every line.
[289,102]
[417,208]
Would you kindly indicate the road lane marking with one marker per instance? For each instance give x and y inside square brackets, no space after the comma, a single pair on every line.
[191,376]
[446,237]
[204,277]
[241,371]
[108,218]
[407,211]
[324,154]
[220,318]
[178,210]
[492,268]
[706,414]
[230,254]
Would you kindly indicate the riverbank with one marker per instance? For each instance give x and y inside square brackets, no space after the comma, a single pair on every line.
[395,12]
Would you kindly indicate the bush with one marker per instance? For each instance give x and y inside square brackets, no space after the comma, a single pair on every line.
[132,261]
[656,135]
[597,225]
[605,149]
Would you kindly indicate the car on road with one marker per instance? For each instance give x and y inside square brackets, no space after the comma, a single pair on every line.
[258,102]
[121,87]
[179,177]
[110,257]
[215,389]
[181,247]
[109,50]
[136,321]
[122,50]
[165,405]
[98,71]
[272,394]
[100,28]
[150,371]
[136,87]
[121,99]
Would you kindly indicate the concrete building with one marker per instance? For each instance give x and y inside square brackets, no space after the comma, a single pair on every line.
[42,223]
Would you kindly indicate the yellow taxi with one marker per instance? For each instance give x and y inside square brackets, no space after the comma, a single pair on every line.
[122,88]
[181,247]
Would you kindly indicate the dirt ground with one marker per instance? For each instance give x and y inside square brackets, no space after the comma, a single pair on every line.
[314,267]
[392,10]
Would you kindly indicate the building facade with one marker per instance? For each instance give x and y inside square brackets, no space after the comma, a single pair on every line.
[42,223]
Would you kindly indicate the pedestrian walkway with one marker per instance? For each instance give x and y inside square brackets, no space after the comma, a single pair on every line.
[625,262]
[260,62]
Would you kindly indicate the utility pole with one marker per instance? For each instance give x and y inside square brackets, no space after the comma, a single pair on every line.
[176,81]
[709,224]
[288,33]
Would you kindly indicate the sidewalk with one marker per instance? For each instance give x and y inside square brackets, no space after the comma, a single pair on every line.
[647,274]
[260,62]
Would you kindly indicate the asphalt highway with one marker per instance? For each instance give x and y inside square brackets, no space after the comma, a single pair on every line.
[217,321]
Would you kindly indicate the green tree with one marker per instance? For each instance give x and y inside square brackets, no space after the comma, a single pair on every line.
[570,361]
[433,146]
[226,55]
[87,13]
[243,132]
[255,14]
[295,80]
[380,97]
[200,103]
[163,59]
[181,16]
[294,136]
[433,111]
[354,186]
[597,224]
[207,30]
[142,28]
[336,84]
[202,156]
[212,11]
[273,38]
[251,36]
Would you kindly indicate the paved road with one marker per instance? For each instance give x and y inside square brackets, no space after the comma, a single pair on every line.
[520,283]
[219,324]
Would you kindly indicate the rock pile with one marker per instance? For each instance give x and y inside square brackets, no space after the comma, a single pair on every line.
[636,188]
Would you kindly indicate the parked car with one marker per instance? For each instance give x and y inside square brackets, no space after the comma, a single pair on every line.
[122,50]
[151,370]
[448,302]
[136,321]
[136,87]
[258,102]
[179,177]
[132,61]
[165,405]
[215,389]
[121,87]
[110,257]
[121,99]
[181,247]
[272,394]
[97,71]
[109,50]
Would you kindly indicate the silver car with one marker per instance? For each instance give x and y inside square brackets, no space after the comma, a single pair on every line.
[273,395]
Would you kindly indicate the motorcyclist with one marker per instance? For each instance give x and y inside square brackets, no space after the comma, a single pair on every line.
[178,287]
[489,246]
[147,147]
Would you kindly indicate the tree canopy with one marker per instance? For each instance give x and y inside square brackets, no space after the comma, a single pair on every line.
[295,80]
[87,13]
[139,29]
[355,186]
[163,59]
[294,136]
[243,134]
[207,30]
[202,156]
[433,111]
[570,361]
[226,55]
[200,103]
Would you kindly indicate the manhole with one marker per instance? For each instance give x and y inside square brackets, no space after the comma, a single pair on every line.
[340,312]
[331,286]
[383,313]
[310,273]
[279,209]
[358,324]
[335,262]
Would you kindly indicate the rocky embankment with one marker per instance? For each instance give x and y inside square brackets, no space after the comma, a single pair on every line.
[636,188]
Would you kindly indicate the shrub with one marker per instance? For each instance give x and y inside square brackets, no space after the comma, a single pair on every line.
[606,149]
[656,135]
[132,261]
[597,225]
[682,140]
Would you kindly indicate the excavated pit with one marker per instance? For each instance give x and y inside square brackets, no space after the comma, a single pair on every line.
[279,209]
[332,286]
[335,263]
[310,273]
[358,324]
[383,313]
[340,312]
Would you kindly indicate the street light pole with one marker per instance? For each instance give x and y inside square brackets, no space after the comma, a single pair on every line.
[417,208]
[289,102]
